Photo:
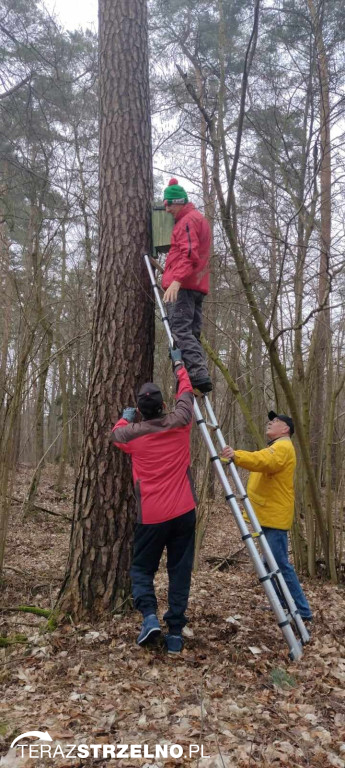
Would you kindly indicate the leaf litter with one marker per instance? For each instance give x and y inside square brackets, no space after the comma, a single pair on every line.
[232,690]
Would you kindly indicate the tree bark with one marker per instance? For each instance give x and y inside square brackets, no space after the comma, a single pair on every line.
[62,366]
[322,331]
[97,576]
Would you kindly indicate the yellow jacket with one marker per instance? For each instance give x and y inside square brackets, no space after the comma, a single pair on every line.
[271,482]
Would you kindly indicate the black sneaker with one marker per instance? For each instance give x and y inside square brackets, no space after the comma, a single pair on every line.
[203,386]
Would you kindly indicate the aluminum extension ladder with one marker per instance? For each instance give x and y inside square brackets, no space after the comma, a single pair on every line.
[268,579]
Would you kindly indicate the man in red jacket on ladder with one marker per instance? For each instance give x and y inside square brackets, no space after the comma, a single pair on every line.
[186,281]
[160,451]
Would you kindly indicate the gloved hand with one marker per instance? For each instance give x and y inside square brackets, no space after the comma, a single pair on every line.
[129,414]
[176,356]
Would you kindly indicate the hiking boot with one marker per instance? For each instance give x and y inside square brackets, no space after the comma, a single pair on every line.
[174,643]
[202,386]
[149,630]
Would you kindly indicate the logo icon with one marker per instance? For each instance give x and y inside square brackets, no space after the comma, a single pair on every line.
[42,735]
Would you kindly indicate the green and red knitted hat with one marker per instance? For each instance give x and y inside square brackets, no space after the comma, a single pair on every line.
[174,193]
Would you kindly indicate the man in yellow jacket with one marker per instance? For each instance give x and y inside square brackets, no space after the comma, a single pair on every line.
[271,492]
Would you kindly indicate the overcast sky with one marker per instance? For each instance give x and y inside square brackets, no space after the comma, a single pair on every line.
[74,13]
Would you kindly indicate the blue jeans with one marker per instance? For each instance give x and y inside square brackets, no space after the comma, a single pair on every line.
[278,542]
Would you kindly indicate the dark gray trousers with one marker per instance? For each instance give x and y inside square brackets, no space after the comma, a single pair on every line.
[185,320]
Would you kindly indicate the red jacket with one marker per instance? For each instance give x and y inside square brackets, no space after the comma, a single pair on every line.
[189,254]
[161,457]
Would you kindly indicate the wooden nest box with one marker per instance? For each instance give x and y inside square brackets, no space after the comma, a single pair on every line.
[162,224]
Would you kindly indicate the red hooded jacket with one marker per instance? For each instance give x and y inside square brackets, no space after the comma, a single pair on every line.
[160,454]
[189,254]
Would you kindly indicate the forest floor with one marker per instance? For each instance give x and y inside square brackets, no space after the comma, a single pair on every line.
[232,691]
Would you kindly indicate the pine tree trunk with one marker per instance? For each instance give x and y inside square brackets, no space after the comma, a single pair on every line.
[39,424]
[8,445]
[322,330]
[62,365]
[97,576]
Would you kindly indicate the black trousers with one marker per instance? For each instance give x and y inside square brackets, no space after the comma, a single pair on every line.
[177,535]
[185,320]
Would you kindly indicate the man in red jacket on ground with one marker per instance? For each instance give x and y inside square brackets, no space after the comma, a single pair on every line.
[160,451]
[186,281]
